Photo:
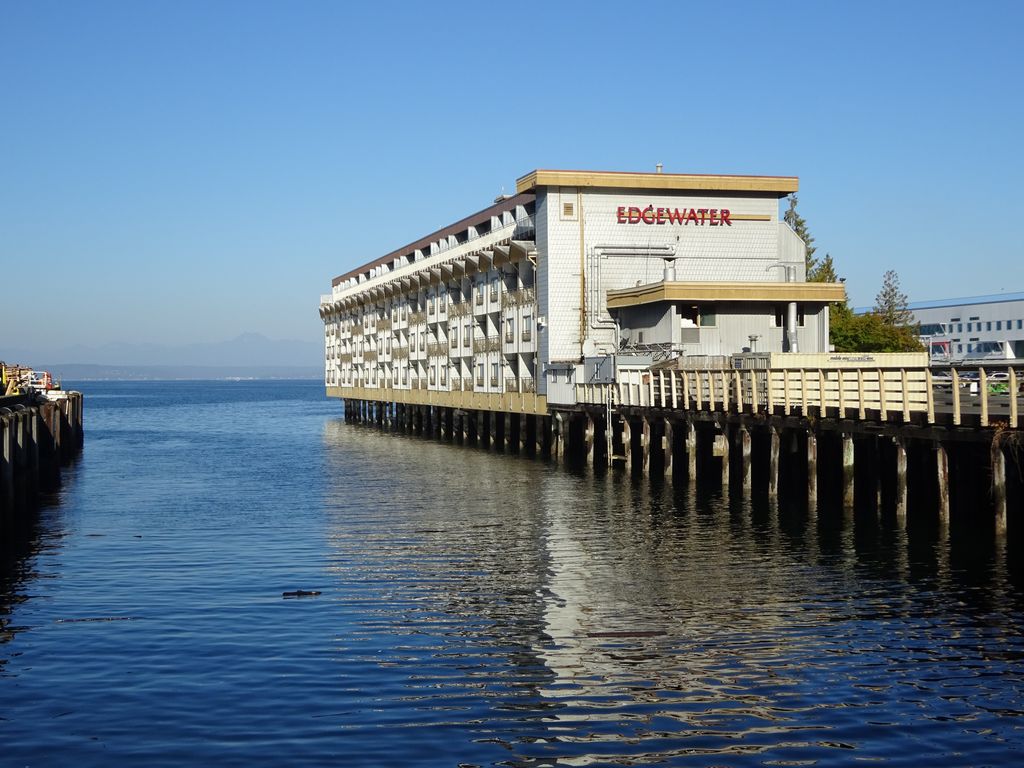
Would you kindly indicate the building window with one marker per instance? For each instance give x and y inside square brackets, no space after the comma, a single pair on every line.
[960,328]
[1020,324]
[510,330]
[970,327]
[708,318]
[528,327]
[988,325]
[466,338]
[959,348]
[999,325]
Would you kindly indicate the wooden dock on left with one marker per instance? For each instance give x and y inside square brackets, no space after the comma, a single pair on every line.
[37,437]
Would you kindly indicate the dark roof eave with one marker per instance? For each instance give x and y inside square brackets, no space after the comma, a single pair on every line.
[500,207]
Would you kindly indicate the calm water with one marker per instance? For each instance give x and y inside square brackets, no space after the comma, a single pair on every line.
[475,609]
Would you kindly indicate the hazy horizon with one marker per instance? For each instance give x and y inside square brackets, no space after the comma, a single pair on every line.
[245,350]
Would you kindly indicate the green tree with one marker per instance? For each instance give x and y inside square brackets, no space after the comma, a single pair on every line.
[823,272]
[849,332]
[797,224]
[891,302]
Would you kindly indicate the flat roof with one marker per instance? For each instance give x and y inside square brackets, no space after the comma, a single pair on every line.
[779,186]
[994,298]
[725,291]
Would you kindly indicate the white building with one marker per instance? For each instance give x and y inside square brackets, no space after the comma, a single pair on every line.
[510,308]
[972,329]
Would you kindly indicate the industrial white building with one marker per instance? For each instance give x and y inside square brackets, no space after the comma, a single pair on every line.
[973,329]
[513,307]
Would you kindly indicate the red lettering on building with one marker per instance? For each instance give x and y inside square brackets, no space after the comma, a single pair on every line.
[650,215]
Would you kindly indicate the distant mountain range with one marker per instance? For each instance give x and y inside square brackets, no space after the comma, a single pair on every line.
[250,355]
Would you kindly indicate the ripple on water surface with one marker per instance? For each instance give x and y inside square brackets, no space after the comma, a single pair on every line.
[474,609]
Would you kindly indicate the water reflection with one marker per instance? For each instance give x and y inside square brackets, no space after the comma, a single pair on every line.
[22,539]
[569,619]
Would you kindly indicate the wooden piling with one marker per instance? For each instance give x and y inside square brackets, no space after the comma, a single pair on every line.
[667,448]
[588,441]
[901,483]
[999,486]
[773,462]
[691,451]
[627,444]
[848,471]
[645,447]
[745,454]
[942,479]
[876,468]
[7,494]
[812,470]
[725,447]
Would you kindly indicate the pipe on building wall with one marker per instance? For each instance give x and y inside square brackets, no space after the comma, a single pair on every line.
[583,270]
[597,252]
[791,333]
[791,327]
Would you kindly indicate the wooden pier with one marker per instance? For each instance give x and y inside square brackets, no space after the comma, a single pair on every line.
[890,441]
[36,439]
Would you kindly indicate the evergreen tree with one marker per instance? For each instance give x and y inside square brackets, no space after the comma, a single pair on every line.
[823,272]
[891,302]
[797,224]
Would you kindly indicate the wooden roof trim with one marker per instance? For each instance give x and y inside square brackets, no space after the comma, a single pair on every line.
[776,185]
[726,291]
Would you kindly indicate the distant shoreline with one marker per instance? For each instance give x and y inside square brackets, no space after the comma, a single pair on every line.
[99,372]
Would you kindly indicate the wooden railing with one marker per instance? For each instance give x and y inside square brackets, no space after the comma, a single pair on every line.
[890,394]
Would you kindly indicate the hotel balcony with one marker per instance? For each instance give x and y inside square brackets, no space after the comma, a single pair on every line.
[489,344]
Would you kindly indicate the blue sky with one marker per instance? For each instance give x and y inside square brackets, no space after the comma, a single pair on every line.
[182,172]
